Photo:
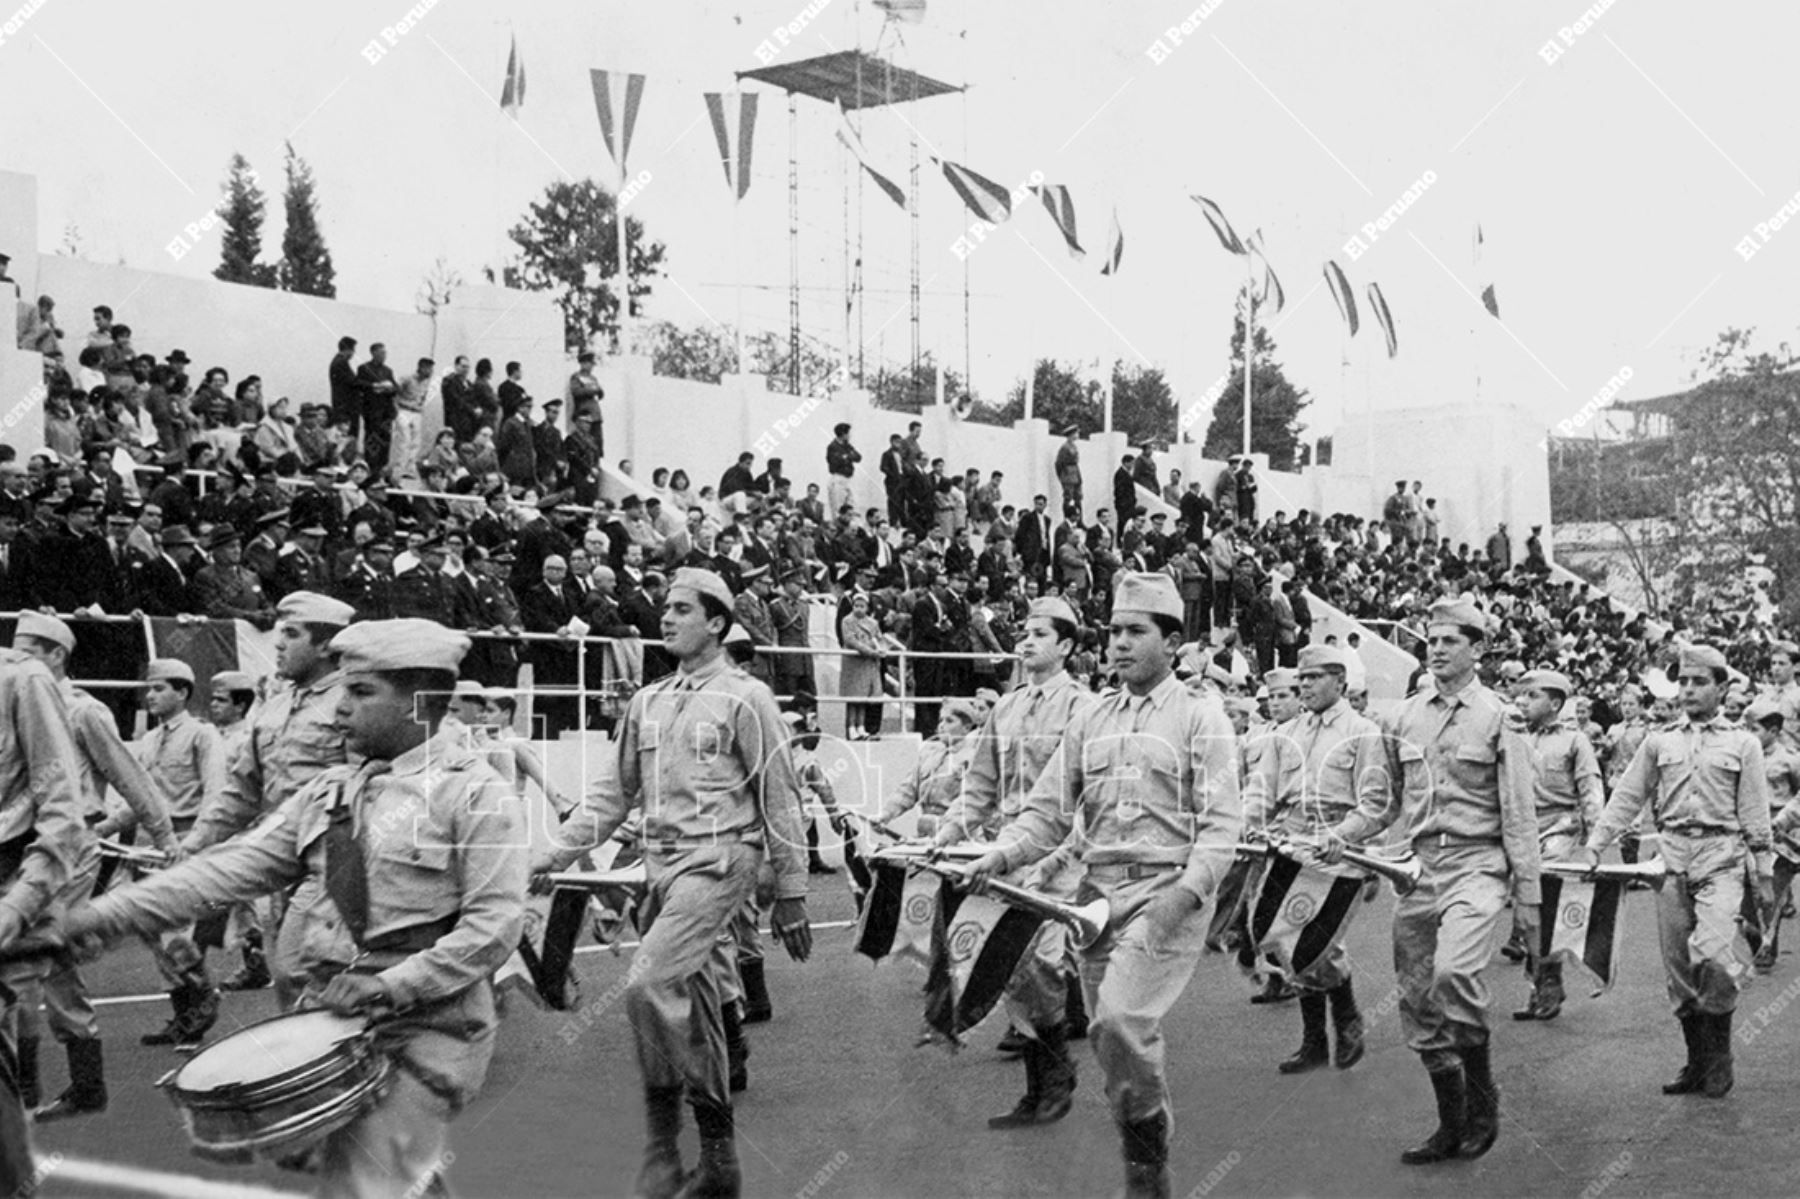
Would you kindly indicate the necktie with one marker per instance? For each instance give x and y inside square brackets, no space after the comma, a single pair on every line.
[346,879]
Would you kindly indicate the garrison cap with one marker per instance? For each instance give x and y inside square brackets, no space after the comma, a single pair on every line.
[232,680]
[1763,709]
[1281,678]
[309,607]
[168,670]
[407,644]
[705,582]
[1152,593]
[1702,657]
[1458,612]
[1055,607]
[45,628]
[1324,657]
[1547,680]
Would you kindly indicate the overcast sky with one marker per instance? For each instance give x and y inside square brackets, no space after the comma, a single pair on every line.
[1613,184]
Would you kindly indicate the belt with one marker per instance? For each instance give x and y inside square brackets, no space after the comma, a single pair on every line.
[1136,870]
[681,844]
[95,818]
[1452,841]
[1698,830]
[414,938]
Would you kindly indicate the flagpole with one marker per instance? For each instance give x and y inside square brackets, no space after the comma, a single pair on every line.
[1249,343]
[622,277]
[737,242]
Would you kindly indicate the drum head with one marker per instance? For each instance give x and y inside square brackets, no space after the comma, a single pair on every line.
[267,1049]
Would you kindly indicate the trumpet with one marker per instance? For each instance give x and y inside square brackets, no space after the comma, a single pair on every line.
[630,879]
[1403,873]
[1085,922]
[1652,871]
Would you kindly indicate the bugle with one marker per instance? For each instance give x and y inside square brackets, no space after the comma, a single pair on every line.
[631,879]
[1652,871]
[1085,922]
[1403,873]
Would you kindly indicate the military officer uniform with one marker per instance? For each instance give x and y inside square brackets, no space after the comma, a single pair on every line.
[437,839]
[229,592]
[1709,798]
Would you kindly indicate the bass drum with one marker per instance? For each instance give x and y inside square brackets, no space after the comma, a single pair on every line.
[278,1086]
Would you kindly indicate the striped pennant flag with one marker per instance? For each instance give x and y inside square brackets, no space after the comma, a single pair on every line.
[1271,285]
[540,967]
[1384,318]
[898,914]
[1490,300]
[634,93]
[1061,208]
[1343,293]
[210,647]
[982,942]
[512,92]
[1215,216]
[1115,246]
[852,140]
[985,198]
[737,168]
[1585,931]
[1301,913]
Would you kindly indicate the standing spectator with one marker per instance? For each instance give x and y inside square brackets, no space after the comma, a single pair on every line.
[1125,486]
[1499,550]
[737,479]
[789,612]
[547,447]
[1260,625]
[346,407]
[1173,495]
[459,401]
[1535,562]
[913,451]
[1429,517]
[1415,514]
[376,389]
[162,584]
[409,422]
[1033,538]
[860,675]
[1145,474]
[1222,556]
[840,463]
[482,396]
[512,389]
[584,393]
[516,445]
[893,479]
[1225,491]
[1287,626]
[1246,492]
[1068,475]
[546,608]
[1395,512]
[1193,575]
[37,326]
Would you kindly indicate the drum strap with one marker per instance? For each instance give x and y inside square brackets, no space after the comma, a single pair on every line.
[346,879]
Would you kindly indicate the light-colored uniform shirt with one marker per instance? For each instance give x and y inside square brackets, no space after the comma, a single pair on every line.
[1698,779]
[935,782]
[1781,767]
[1566,786]
[1317,769]
[103,759]
[293,738]
[186,758]
[1625,738]
[1146,779]
[40,795]
[1463,777]
[704,754]
[1010,753]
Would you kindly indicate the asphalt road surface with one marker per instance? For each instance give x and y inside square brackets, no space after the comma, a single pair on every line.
[842,1104]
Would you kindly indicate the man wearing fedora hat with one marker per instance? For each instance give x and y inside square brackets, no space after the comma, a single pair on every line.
[225,588]
[1146,780]
[164,583]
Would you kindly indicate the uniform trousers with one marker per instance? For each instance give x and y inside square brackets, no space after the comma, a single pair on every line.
[677,977]
[407,445]
[1444,936]
[67,1010]
[1696,919]
[16,1167]
[1037,994]
[1130,978]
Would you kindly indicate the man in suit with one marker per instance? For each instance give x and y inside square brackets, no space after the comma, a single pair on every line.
[225,588]
[78,564]
[1125,501]
[1034,538]
[545,608]
[12,573]
[298,567]
[376,388]
[345,408]
[495,609]
[163,582]
[811,506]
[893,478]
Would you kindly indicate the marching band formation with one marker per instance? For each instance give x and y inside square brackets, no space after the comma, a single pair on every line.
[359,836]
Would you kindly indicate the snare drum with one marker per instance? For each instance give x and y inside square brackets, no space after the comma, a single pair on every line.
[277,1086]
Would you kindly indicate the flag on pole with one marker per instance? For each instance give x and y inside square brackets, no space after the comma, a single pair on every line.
[1215,216]
[910,11]
[1061,208]
[1342,292]
[1271,285]
[1115,246]
[898,914]
[512,92]
[1301,913]
[985,198]
[982,944]
[634,91]
[737,168]
[1585,931]
[210,647]
[852,140]
[1384,318]
[1490,300]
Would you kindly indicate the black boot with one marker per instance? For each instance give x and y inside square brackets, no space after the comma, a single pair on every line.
[1716,1081]
[1691,1075]
[757,1009]
[660,1177]
[1013,1043]
[255,974]
[1481,1122]
[1446,1142]
[1315,1048]
[169,1033]
[1075,1013]
[202,1014]
[87,1083]
[1025,1111]
[1146,1144]
[1059,1076]
[1347,1021]
[737,1047]
[717,1175]
[29,1091]
[1275,990]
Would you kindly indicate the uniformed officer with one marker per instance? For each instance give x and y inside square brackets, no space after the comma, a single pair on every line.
[1462,792]
[1781,767]
[1321,765]
[225,587]
[1147,782]
[41,843]
[420,850]
[1566,792]
[1703,779]
[101,760]
[700,752]
[294,738]
[937,775]
[419,590]
[1021,735]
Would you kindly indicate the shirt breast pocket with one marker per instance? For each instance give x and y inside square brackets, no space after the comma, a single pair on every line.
[411,875]
[1473,765]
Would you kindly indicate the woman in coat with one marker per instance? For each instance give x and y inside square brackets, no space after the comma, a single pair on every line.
[860,674]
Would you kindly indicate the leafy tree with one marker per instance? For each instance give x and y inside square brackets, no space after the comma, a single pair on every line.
[1143,405]
[568,244]
[242,212]
[305,260]
[706,353]
[1275,404]
[909,389]
[1059,395]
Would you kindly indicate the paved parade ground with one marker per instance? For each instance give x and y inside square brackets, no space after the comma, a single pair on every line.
[842,1104]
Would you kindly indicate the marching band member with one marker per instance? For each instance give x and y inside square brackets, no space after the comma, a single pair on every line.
[1147,783]
[1021,736]
[1781,767]
[1704,781]
[701,753]
[1321,766]
[1567,794]
[1462,790]
[1262,744]
[421,859]
[937,776]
